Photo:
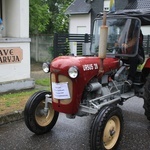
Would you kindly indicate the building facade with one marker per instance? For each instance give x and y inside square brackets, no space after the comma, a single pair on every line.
[92,8]
[82,13]
[15,46]
[80,17]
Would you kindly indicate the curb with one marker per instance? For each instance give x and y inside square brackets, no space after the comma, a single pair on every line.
[15,116]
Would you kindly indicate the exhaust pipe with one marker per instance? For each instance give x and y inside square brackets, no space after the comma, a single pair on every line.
[103,42]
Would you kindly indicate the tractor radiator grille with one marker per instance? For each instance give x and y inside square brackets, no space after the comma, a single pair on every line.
[62,78]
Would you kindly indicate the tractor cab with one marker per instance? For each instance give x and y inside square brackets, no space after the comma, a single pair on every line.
[121,31]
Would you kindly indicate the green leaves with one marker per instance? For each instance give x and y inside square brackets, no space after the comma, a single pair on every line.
[39,16]
[48,16]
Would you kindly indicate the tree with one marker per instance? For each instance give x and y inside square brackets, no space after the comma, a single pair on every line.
[60,21]
[39,16]
[48,16]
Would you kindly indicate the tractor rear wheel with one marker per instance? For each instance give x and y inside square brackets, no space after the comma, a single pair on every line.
[36,119]
[106,129]
[146,97]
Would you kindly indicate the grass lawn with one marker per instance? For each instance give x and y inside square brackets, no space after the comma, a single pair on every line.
[10,102]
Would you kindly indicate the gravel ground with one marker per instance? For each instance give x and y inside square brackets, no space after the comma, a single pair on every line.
[39,75]
[37,72]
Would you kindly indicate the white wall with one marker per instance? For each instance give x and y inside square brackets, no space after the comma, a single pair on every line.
[16,18]
[15,34]
[77,21]
[79,24]
[16,71]
[12,19]
[145,30]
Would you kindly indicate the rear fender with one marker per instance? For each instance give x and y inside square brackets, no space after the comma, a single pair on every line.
[147,63]
[145,69]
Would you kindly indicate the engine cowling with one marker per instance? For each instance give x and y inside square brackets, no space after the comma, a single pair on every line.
[67,91]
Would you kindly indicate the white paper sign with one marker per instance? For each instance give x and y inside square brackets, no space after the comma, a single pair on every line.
[60,90]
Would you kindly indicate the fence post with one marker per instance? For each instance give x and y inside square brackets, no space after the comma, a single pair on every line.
[55,42]
[86,45]
[86,38]
[148,46]
[37,49]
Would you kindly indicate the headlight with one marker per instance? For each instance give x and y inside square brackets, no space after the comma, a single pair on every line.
[73,72]
[46,67]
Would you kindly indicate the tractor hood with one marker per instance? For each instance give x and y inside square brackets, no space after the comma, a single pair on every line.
[87,66]
[87,69]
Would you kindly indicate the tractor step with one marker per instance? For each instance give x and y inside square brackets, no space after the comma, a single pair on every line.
[127,95]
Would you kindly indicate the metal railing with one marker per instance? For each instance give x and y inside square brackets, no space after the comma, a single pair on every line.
[61,43]
[48,47]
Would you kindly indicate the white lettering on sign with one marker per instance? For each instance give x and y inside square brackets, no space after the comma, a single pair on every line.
[10,55]
[88,67]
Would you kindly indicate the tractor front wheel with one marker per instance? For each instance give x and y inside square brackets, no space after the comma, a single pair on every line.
[36,118]
[106,129]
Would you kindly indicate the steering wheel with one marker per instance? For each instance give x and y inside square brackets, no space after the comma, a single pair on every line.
[114,50]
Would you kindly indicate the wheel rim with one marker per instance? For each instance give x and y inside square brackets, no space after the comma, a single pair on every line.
[111,132]
[41,118]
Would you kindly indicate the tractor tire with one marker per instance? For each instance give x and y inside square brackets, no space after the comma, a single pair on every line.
[106,129]
[146,97]
[35,119]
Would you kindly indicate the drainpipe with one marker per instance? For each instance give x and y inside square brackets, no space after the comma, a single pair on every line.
[1,9]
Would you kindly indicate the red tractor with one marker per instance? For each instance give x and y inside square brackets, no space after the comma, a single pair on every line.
[95,84]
